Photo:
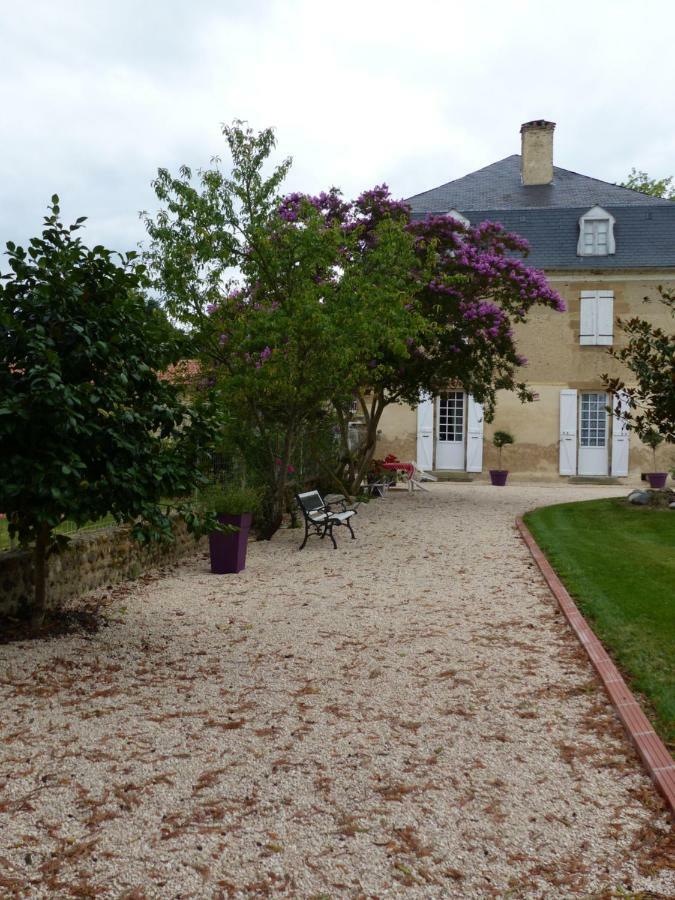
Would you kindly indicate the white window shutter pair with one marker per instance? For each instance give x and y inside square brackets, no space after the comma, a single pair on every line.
[597,318]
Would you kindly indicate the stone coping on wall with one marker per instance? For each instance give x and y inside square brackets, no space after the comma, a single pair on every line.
[89,561]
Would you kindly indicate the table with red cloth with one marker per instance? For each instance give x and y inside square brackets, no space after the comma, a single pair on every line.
[408,469]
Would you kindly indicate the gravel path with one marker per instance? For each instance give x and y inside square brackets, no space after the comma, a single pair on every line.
[405,717]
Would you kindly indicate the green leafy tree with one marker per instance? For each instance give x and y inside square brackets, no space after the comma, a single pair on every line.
[87,426]
[468,287]
[299,324]
[334,301]
[640,181]
[501,439]
[649,355]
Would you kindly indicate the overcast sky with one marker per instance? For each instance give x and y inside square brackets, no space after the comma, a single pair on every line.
[97,95]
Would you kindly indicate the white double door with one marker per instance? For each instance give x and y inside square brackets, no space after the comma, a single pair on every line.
[593,434]
[451,430]
[585,435]
[459,432]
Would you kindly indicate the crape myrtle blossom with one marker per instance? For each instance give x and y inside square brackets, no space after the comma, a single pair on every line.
[470,285]
[479,283]
[473,285]
[485,251]
[231,321]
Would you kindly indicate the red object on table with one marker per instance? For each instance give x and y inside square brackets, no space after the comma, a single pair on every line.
[399,466]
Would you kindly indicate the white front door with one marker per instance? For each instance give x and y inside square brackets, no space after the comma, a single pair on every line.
[450,431]
[593,436]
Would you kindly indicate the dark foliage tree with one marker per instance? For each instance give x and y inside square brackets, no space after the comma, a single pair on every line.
[87,425]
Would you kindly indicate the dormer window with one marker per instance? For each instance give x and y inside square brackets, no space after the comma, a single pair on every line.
[454,214]
[596,233]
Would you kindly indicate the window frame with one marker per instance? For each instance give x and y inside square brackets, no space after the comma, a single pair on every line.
[593,217]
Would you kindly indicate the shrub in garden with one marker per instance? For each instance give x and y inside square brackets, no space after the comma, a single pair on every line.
[87,428]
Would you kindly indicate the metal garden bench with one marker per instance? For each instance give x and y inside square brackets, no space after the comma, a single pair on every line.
[320,518]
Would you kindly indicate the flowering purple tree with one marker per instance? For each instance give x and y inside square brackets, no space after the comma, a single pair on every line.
[298,303]
[469,287]
[286,307]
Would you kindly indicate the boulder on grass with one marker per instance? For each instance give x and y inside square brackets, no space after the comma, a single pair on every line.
[663,499]
[640,498]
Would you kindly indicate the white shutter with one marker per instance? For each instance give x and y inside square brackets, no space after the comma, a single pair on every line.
[605,318]
[568,432]
[596,320]
[588,328]
[474,436]
[620,436]
[425,433]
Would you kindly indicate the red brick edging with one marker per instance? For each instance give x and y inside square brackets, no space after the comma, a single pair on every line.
[650,747]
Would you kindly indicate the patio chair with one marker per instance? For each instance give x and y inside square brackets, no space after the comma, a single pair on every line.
[320,518]
[419,475]
[379,486]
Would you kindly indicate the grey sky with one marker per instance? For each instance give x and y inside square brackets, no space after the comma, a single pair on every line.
[96,95]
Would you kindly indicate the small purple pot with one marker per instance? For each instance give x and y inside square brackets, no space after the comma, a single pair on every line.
[228,551]
[498,477]
[657,480]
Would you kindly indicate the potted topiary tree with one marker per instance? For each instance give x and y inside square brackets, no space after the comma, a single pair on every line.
[500,439]
[234,506]
[656,479]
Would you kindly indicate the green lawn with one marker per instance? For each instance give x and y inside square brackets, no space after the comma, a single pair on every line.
[618,562]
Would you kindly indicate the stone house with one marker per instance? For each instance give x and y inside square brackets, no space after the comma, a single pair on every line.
[604,248]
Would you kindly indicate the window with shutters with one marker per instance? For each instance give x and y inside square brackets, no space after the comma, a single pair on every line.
[596,318]
[596,233]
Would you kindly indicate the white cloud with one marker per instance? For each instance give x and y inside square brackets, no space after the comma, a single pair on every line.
[97,95]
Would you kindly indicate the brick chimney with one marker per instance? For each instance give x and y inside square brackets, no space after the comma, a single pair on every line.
[536,155]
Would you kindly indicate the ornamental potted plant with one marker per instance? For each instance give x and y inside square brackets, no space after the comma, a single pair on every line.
[500,439]
[234,506]
[656,479]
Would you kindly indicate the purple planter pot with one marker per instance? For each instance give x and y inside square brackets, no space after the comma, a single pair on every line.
[228,551]
[498,477]
[657,480]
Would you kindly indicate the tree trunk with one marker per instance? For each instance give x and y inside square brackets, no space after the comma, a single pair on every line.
[365,452]
[40,573]
[345,473]
[273,519]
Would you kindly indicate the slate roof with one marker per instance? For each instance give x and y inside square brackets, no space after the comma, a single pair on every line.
[548,215]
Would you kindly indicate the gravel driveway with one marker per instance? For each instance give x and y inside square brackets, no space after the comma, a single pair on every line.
[407,716]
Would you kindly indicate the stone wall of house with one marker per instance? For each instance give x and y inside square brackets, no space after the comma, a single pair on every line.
[556,360]
[90,561]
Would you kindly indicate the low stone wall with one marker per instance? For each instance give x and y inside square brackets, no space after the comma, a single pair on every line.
[90,561]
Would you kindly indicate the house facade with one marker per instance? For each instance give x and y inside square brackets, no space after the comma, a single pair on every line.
[604,248]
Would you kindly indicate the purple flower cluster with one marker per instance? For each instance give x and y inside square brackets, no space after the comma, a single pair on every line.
[364,213]
[485,253]
[330,204]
